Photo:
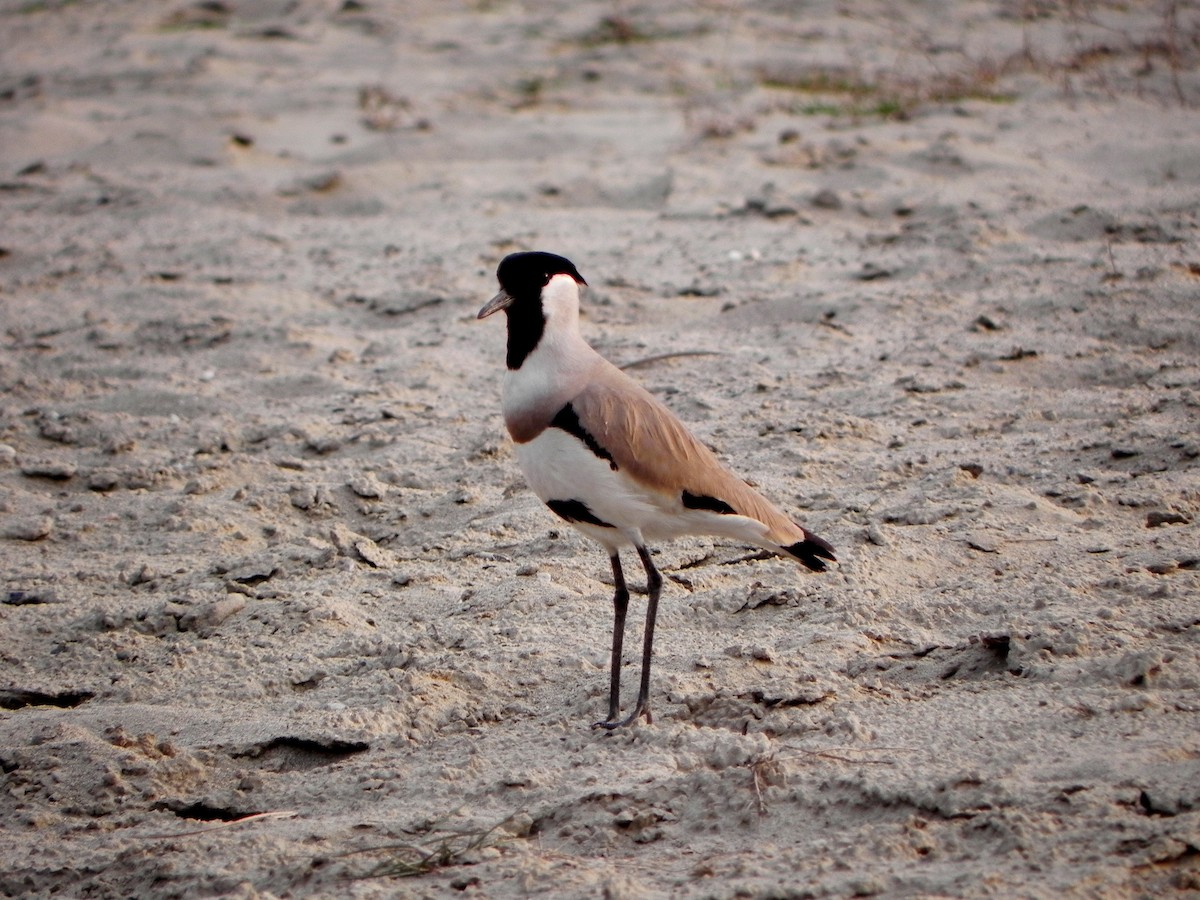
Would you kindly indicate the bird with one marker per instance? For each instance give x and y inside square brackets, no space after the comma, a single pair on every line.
[607,457]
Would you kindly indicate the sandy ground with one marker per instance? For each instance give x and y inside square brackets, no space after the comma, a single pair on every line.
[281,619]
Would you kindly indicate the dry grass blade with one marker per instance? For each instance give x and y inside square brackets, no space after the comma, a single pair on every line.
[769,769]
[764,770]
[448,848]
[255,817]
[661,357]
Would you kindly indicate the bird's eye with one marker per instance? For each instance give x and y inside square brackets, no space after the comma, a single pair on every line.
[545,278]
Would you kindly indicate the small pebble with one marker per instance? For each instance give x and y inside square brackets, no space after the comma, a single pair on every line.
[56,471]
[103,480]
[827,199]
[368,487]
[29,528]
[142,575]
[1162,566]
[1158,518]
[370,552]
[303,496]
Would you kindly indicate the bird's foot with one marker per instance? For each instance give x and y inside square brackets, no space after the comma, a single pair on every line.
[642,709]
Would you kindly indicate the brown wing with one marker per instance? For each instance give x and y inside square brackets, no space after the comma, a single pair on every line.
[651,445]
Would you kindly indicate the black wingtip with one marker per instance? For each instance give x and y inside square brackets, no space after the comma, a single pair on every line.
[812,551]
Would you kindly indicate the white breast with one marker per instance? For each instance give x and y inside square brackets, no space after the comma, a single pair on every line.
[558,466]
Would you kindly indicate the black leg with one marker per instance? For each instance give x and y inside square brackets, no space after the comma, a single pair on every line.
[653,589]
[620,606]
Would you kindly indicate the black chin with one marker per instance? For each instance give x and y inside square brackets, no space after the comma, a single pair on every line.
[526,324]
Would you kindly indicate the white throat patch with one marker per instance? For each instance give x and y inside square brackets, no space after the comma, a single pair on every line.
[560,303]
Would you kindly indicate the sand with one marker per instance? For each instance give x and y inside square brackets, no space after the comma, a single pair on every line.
[281,618]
